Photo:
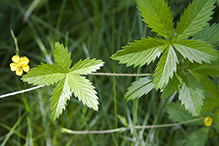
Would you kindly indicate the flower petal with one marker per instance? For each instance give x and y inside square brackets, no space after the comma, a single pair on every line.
[13,66]
[19,72]
[16,59]
[24,60]
[26,68]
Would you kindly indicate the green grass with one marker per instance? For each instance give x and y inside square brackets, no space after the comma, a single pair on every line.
[94,29]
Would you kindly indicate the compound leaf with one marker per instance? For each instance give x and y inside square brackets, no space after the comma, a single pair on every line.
[44,74]
[83,89]
[59,97]
[196,50]
[194,19]
[209,34]
[141,52]
[165,68]
[86,66]
[139,88]
[68,80]
[158,16]
[62,57]
[191,94]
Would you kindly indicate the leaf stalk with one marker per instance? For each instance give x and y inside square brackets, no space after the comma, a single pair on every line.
[122,129]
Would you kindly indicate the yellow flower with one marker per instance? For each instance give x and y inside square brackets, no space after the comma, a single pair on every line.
[208,121]
[19,64]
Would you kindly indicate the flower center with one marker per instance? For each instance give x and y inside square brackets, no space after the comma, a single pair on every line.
[19,65]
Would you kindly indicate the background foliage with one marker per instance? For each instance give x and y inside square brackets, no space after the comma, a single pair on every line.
[94,29]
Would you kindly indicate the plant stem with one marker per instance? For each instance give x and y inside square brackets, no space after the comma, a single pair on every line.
[119,74]
[122,129]
[101,74]
[19,92]
[15,42]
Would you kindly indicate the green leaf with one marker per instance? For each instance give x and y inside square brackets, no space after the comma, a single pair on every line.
[171,87]
[44,74]
[216,117]
[211,100]
[123,120]
[209,34]
[191,94]
[194,19]
[178,113]
[141,52]
[158,16]
[83,89]
[86,66]
[62,57]
[196,50]
[198,138]
[211,69]
[165,68]
[139,88]
[59,97]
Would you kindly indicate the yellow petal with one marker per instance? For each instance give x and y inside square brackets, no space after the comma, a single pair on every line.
[24,60]
[26,68]
[16,59]
[19,72]
[13,66]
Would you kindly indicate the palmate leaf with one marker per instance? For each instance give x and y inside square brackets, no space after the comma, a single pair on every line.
[68,80]
[196,50]
[209,34]
[83,89]
[86,66]
[139,88]
[44,74]
[165,68]
[191,94]
[158,16]
[59,97]
[194,19]
[141,52]
[62,57]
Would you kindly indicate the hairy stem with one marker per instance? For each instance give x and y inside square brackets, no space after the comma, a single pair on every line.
[119,74]
[101,74]
[122,129]
[21,91]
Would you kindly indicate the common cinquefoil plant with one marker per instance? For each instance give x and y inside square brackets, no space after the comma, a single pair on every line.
[187,58]
[181,56]
[187,54]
